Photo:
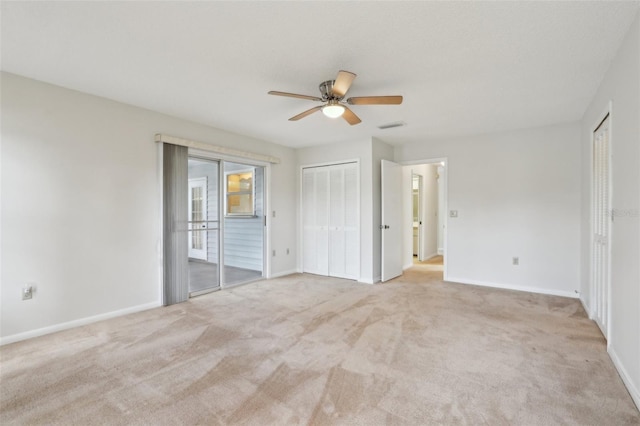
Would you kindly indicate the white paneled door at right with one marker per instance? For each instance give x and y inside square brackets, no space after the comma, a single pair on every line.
[601,224]
[330,220]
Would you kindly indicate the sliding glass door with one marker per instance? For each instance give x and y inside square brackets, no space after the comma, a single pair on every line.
[203,225]
[213,223]
[225,248]
[243,223]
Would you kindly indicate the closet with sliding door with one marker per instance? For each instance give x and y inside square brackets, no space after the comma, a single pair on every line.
[331,220]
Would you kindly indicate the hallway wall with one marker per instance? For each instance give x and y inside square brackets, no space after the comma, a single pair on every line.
[517,194]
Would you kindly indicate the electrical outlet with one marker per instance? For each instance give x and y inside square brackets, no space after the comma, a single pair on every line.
[274,253]
[453,213]
[273,213]
[27,292]
[516,261]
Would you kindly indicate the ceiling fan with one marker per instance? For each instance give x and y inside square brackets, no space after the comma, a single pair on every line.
[332,93]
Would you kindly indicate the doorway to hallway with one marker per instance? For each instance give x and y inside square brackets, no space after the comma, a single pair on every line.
[399,218]
[424,198]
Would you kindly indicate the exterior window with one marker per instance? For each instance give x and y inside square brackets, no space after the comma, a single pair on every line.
[240,193]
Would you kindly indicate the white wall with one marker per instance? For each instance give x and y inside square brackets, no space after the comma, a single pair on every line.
[621,86]
[81,205]
[517,194]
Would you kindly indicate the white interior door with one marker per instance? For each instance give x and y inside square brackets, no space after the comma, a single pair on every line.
[197,218]
[391,226]
[600,271]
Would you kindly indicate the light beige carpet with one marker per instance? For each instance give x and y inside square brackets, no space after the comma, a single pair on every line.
[314,350]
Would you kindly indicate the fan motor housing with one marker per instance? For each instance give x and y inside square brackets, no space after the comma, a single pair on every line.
[325,90]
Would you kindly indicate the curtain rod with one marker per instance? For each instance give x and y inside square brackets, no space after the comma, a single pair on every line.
[162,138]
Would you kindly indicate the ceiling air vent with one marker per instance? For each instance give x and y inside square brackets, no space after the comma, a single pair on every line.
[392,125]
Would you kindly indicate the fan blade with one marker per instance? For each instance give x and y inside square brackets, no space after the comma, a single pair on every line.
[350,116]
[375,100]
[342,84]
[295,95]
[307,112]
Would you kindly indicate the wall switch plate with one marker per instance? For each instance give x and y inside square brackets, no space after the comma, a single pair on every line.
[453,213]
[27,292]
[516,261]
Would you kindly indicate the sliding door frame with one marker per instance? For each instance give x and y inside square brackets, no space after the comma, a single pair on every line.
[215,156]
[266,260]
[220,222]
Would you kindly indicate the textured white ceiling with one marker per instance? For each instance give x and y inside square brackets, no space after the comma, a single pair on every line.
[462,67]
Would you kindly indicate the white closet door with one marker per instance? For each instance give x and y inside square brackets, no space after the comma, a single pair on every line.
[600,273]
[330,219]
[344,255]
[315,207]
[337,243]
[351,221]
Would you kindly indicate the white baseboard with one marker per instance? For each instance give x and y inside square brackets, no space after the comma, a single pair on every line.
[586,308]
[76,323]
[284,273]
[628,382]
[430,256]
[539,290]
[405,267]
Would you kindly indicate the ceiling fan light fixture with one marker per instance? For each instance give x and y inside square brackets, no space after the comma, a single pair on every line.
[333,110]
[333,92]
